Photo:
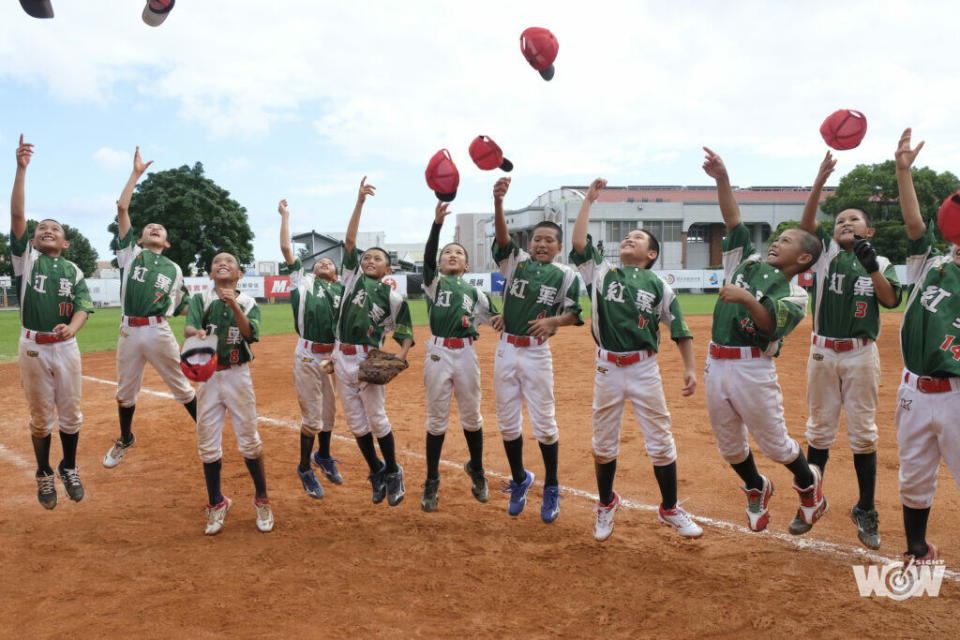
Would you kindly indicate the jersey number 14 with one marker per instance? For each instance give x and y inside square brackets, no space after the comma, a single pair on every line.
[955,349]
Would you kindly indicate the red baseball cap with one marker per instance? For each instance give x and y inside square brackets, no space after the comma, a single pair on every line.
[198,357]
[442,176]
[949,218]
[37,8]
[844,129]
[155,12]
[539,47]
[487,155]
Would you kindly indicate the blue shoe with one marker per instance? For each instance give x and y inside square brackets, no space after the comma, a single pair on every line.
[310,483]
[329,467]
[518,493]
[550,508]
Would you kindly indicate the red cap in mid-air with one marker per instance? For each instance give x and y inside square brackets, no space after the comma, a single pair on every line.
[539,47]
[844,129]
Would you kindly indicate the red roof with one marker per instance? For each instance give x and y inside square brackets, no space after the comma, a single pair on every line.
[704,194]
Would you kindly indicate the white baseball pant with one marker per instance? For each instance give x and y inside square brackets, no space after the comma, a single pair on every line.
[928,428]
[448,372]
[227,391]
[156,344]
[525,374]
[641,385]
[318,405]
[51,380]
[362,403]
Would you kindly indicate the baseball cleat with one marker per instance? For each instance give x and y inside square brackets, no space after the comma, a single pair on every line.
[550,508]
[310,483]
[395,488]
[518,493]
[867,521]
[430,498]
[479,477]
[758,503]
[329,467]
[115,454]
[71,482]
[928,558]
[216,515]
[379,483]
[603,527]
[797,526]
[812,503]
[46,491]
[679,520]
[264,515]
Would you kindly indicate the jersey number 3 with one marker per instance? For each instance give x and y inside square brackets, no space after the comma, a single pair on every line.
[861,311]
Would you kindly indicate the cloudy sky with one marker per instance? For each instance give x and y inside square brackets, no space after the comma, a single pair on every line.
[301,98]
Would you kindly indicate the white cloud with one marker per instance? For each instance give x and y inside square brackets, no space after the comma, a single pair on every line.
[237,163]
[113,159]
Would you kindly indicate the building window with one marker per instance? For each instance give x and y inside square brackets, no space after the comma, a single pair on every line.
[617,230]
[697,233]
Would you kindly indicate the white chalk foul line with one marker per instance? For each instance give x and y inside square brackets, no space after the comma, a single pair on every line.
[807,544]
[14,458]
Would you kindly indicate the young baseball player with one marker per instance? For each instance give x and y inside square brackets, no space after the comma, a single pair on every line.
[152,289]
[368,310]
[758,307]
[451,367]
[843,372]
[54,304]
[315,301]
[628,304]
[538,297]
[234,318]
[928,400]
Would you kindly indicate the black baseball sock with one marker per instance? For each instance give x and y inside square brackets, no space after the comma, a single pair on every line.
[323,444]
[434,446]
[69,443]
[126,422]
[475,445]
[41,449]
[667,481]
[801,471]
[306,448]
[191,408]
[747,470]
[818,457]
[915,526]
[389,450]
[255,467]
[369,451]
[605,474]
[551,459]
[514,449]
[865,465]
[211,474]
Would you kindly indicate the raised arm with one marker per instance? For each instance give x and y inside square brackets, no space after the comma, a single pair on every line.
[286,248]
[433,240]
[123,204]
[350,241]
[729,208]
[582,224]
[499,220]
[809,220]
[909,205]
[18,217]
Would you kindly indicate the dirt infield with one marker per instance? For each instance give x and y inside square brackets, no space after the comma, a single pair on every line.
[131,558]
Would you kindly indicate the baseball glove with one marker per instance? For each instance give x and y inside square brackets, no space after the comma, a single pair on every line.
[381,367]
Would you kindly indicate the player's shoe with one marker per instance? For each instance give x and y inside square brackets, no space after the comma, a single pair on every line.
[115,454]
[603,527]
[928,558]
[550,507]
[71,482]
[812,503]
[46,490]
[479,477]
[216,515]
[379,483]
[518,493]
[395,488]
[867,521]
[679,520]
[329,467]
[310,483]
[431,497]
[264,515]
[758,505]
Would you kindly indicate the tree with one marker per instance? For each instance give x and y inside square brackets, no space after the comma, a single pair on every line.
[6,266]
[201,218]
[80,251]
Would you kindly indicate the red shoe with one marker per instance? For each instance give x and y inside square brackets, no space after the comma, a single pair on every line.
[928,558]
[812,503]
[758,501]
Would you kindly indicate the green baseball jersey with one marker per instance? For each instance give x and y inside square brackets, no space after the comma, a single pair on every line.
[844,302]
[315,303]
[370,308]
[732,324]
[151,284]
[930,333]
[208,312]
[455,307]
[628,304]
[51,289]
[533,290]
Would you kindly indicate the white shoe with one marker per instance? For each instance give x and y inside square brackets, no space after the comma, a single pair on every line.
[679,520]
[264,515]
[604,525]
[216,515]
[115,454]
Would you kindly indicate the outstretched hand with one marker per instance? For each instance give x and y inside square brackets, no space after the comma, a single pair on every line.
[826,168]
[282,208]
[500,189]
[441,212]
[365,190]
[24,153]
[905,155]
[139,166]
[866,254]
[713,166]
[596,187]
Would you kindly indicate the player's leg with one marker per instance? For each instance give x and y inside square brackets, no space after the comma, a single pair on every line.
[607,417]
[536,384]
[306,381]
[68,393]
[38,386]
[824,401]
[358,424]
[328,412]
[466,385]
[507,387]
[919,453]
[373,397]
[438,383]
[211,413]
[130,363]
[242,406]
[163,354]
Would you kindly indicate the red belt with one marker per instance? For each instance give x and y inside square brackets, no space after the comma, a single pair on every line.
[523,341]
[133,321]
[353,349]
[628,359]
[841,344]
[929,384]
[318,347]
[732,353]
[42,338]
[453,343]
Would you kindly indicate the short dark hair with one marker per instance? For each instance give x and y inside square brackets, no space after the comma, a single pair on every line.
[467,255]
[551,225]
[809,243]
[381,250]
[654,244]
[51,220]
[866,216]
